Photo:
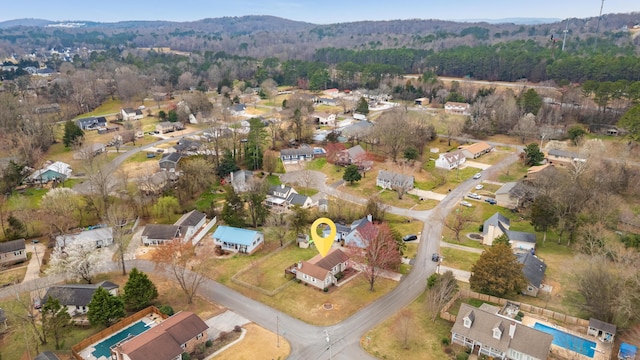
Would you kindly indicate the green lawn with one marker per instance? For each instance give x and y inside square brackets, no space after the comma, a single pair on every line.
[513,173]
[140,158]
[108,107]
[268,273]
[28,199]
[208,197]
[459,259]
[306,191]
[316,164]
[273,180]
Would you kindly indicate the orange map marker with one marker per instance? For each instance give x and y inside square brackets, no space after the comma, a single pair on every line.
[323,244]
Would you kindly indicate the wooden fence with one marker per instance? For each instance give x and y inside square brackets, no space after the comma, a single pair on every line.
[444,313]
[75,349]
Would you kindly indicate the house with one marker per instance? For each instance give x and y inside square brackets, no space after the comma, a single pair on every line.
[504,196]
[627,352]
[241,180]
[131,114]
[533,269]
[99,237]
[450,160]
[321,271]
[238,109]
[238,240]
[13,252]
[96,149]
[52,108]
[498,337]
[323,205]
[169,162]
[190,223]
[476,150]
[361,117]
[352,155]
[421,101]
[327,101]
[357,130]
[168,126]
[562,156]
[362,231]
[292,156]
[302,201]
[456,108]
[323,118]
[187,146]
[286,196]
[57,171]
[180,333]
[341,231]
[158,234]
[497,225]
[390,180]
[76,297]
[91,123]
[605,332]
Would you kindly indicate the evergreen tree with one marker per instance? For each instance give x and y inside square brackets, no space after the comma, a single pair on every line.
[631,122]
[172,116]
[351,174]
[72,134]
[227,165]
[139,291]
[497,272]
[233,210]
[363,106]
[531,102]
[255,139]
[104,308]
[54,318]
[532,155]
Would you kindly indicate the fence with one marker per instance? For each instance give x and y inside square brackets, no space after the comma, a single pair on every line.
[236,278]
[444,313]
[75,349]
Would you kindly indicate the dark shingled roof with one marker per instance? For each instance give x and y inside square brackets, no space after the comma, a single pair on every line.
[520,236]
[533,268]
[161,231]
[601,325]
[11,246]
[76,294]
[192,218]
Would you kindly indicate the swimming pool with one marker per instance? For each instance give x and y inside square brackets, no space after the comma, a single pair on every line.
[103,347]
[568,341]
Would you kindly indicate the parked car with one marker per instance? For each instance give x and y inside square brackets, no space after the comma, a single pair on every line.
[491,201]
[160,151]
[435,257]
[410,237]
[479,187]
[465,203]
[474,196]
[37,303]
[150,155]
[477,176]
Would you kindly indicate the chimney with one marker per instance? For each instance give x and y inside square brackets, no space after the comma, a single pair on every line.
[281,186]
[231,176]
[512,330]
[299,264]
[370,218]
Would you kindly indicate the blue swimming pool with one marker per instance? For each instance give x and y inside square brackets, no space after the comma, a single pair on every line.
[103,348]
[568,341]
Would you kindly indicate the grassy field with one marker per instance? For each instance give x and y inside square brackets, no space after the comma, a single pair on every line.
[424,341]
[458,259]
[257,338]
[514,172]
[268,273]
[13,275]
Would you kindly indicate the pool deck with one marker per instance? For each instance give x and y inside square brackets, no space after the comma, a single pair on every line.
[603,349]
[87,353]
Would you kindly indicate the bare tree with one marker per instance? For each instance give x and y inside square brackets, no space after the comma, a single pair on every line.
[117,217]
[78,261]
[64,206]
[440,293]
[279,225]
[380,252]
[392,130]
[180,260]
[270,89]
[526,128]
[457,221]
[404,326]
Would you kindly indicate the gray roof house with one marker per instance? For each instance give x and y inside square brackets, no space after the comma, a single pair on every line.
[296,155]
[497,225]
[190,223]
[286,196]
[12,252]
[390,180]
[533,269]
[76,297]
[158,234]
[97,237]
[169,162]
[504,195]
[91,123]
[498,337]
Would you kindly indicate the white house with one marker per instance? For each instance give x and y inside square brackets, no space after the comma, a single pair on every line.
[450,160]
[99,237]
[497,225]
[238,240]
[321,271]
[457,108]
[323,118]
[76,297]
[390,180]
[190,223]
[131,114]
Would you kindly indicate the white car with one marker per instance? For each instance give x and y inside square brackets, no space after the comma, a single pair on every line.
[479,187]
[465,203]
[477,176]
[474,196]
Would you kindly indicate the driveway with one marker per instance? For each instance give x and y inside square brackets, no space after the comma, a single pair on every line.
[475,164]
[427,194]
[224,322]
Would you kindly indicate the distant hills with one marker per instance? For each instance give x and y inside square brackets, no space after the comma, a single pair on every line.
[517,21]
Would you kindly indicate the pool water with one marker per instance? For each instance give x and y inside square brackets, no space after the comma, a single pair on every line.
[104,348]
[569,341]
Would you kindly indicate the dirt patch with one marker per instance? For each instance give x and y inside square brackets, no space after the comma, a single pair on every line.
[257,338]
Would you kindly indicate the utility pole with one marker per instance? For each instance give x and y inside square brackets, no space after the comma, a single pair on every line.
[277,331]
[595,43]
[328,338]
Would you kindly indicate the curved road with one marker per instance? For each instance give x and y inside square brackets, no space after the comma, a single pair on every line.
[308,342]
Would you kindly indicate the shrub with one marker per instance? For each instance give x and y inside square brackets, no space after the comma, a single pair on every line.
[445,341]
[224,336]
[325,289]
[432,280]
[237,328]
[521,314]
[209,343]
[462,356]
[167,310]
[186,356]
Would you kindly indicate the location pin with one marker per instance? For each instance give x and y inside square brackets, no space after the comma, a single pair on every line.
[323,244]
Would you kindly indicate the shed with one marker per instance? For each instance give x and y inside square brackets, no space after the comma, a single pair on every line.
[602,330]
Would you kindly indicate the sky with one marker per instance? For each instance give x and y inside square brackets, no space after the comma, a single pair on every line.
[318,12]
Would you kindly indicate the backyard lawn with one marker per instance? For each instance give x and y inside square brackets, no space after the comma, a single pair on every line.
[458,259]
